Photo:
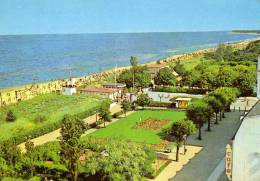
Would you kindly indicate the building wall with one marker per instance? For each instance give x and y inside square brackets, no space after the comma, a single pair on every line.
[258,79]
[246,151]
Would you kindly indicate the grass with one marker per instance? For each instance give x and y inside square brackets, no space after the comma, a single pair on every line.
[123,129]
[51,106]
[190,63]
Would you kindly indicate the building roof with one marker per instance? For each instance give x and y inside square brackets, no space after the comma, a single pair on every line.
[183,99]
[114,84]
[98,90]
[157,65]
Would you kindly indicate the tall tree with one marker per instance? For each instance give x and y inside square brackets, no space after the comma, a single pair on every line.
[196,112]
[215,104]
[178,133]
[165,77]
[71,149]
[126,106]
[104,114]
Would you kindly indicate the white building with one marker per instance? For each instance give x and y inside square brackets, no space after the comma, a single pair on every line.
[70,87]
[246,148]
[258,79]
[112,94]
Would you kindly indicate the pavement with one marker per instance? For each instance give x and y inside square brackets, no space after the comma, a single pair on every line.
[54,135]
[206,163]
[174,167]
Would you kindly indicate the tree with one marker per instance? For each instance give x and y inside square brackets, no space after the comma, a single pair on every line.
[141,79]
[226,95]
[10,117]
[179,68]
[126,106]
[165,77]
[104,114]
[133,61]
[135,160]
[196,112]
[143,100]
[215,104]
[71,149]
[178,133]
[209,113]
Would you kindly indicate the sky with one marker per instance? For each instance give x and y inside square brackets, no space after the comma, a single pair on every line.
[114,16]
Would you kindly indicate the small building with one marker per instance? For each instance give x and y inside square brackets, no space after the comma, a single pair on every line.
[182,102]
[112,94]
[155,68]
[70,87]
[114,86]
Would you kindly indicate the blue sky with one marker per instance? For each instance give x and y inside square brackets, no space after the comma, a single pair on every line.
[107,16]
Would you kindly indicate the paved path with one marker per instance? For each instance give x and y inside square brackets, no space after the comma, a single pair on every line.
[174,167]
[214,143]
[54,135]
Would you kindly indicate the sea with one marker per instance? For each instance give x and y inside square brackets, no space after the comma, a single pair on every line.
[26,59]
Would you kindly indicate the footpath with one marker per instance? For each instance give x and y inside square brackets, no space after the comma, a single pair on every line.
[54,135]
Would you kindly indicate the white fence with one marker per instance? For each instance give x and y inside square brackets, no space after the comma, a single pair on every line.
[165,96]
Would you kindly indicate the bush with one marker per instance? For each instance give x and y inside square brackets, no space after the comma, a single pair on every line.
[161,104]
[10,117]
[117,114]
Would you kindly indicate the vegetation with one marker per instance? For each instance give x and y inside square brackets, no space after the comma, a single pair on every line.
[165,77]
[178,133]
[126,106]
[137,76]
[104,114]
[196,112]
[69,160]
[227,53]
[71,149]
[135,160]
[123,129]
[10,117]
[143,100]
[43,114]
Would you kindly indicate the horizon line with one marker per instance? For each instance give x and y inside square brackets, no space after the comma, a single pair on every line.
[193,31]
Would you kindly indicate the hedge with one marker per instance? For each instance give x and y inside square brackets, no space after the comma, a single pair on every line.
[161,104]
[179,90]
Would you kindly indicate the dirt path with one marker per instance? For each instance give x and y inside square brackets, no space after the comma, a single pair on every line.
[54,135]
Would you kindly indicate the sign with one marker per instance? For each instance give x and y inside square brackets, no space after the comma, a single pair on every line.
[228,161]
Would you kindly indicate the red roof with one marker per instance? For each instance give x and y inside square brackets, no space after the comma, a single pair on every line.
[98,90]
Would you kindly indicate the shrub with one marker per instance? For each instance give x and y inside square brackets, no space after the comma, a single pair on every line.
[161,104]
[10,117]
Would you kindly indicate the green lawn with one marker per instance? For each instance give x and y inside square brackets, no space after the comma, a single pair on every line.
[123,129]
[51,106]
[191,63]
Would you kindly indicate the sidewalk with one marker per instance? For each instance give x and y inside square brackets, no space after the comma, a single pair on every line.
[54,135]
[214,143]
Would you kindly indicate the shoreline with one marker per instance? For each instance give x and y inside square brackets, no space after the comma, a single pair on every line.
[24,92]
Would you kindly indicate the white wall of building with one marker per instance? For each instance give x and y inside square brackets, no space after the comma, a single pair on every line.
[246,151]
[165,96]
[69,91]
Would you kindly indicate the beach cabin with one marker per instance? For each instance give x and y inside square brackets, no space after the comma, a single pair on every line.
[182,102]
[112,94]
[70,88]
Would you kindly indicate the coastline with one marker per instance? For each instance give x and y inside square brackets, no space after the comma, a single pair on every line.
[24,92]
